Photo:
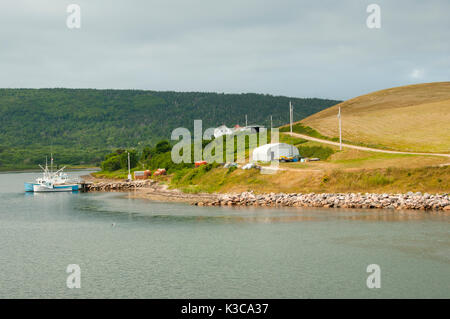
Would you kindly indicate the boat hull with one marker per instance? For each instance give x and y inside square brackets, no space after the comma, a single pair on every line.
[29,187]
[37,188]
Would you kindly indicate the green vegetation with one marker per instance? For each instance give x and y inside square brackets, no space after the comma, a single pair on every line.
[160,156]
[81,126]
[306,130]
[302,129]
[338,171]
[292,140]
[119,160]
[391,180]
[321,152]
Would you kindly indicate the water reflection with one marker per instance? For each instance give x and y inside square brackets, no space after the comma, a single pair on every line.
[117,204]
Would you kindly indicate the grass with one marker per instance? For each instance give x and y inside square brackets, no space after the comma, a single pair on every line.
[306,130]
[348,170]
[410,118]
[391,180]
[303,129]
[120,174]
[321,152]
[284,138]
[351,159]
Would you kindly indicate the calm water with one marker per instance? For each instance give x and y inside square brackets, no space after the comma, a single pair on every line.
[160,250]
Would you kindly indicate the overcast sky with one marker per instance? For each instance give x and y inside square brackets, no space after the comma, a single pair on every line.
[283,47]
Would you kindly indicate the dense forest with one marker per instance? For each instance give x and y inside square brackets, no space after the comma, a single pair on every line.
[81,126]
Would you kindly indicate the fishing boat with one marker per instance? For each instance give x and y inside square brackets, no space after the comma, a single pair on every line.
[52,181]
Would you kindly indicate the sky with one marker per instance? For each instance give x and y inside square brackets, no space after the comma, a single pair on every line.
[320,48]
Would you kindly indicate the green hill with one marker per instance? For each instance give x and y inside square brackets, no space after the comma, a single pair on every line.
[80,126]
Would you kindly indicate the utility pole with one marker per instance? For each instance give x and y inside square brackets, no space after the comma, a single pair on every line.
[291,114]
[245,120]
[129,167]
[271,123]
[340,129]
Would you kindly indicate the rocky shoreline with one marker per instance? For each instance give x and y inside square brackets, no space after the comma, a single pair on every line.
[105,186]
[416,201]
[145,189]
[151,189]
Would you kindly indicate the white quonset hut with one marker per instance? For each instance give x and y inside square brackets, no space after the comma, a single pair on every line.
[269,152]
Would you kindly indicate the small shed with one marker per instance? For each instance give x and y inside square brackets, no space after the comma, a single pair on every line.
[270,152]
[142,174]
[256,128]
[139,175]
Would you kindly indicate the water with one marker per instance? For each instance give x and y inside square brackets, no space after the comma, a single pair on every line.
[133,248]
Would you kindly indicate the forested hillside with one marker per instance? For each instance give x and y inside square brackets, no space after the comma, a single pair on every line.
[81,125]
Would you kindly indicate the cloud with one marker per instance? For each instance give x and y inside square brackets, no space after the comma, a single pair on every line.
[287,47]
[417,74]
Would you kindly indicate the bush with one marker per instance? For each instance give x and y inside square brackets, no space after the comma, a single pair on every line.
[321,152]
[146,152]
[124,159]
[164,160]
[111,164]
[163,147]
[231,169]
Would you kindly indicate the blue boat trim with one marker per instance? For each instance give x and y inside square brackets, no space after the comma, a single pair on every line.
[29,187]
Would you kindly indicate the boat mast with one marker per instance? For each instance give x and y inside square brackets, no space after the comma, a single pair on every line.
[46,167]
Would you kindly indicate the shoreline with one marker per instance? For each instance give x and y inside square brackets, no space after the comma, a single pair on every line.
[153,190]
[408,201]
[146,189]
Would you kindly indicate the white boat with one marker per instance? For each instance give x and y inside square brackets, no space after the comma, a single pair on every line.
[52,181]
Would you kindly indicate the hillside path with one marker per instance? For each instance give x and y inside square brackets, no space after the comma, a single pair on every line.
[362,148]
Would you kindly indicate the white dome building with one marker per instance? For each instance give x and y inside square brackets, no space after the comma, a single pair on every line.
[270,152]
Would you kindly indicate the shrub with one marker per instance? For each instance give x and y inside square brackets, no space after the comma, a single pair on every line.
[231,169]
[321,152]
[163,147]
[124,159]
[164,160]
[111,164]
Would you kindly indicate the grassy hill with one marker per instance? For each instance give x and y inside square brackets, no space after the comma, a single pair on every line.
[407,118]
[80,126]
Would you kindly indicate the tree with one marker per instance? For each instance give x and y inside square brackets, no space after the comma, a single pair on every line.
[113,163]
[124,159]
[163,147]
[146,152]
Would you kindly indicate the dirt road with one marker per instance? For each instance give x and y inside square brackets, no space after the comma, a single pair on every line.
[362,148]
